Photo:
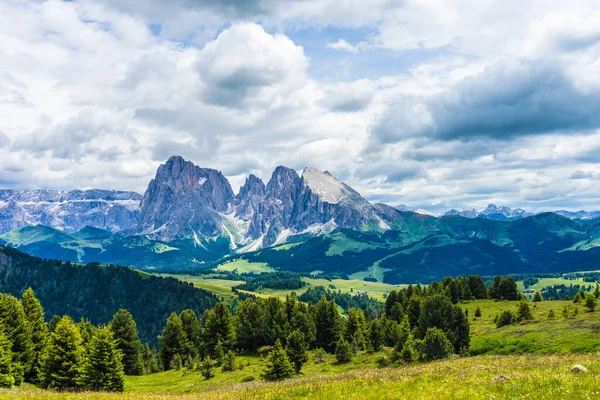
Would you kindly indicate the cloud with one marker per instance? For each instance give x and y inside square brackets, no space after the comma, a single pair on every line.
[349,97]
[244,62]
[342,45]
[579,174]
[4,140]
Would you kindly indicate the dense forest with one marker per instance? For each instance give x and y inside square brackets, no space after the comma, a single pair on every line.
[96,292]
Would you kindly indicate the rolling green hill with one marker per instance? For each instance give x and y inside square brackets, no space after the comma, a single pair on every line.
[97,291]
[418,248]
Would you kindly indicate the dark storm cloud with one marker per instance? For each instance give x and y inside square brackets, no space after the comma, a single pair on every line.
[502,102]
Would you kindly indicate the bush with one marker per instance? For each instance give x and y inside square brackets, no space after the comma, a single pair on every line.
[207,368]
[590,302]
[408,353]
[229,362]
[249,378]
[320,355]
[524,312]
[436,345]
[382,361]
[537,297]
[343,352]
[278,366]
[506,318]
[478,312]
[551,314]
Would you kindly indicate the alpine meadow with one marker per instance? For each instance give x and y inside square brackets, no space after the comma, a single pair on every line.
[299,199]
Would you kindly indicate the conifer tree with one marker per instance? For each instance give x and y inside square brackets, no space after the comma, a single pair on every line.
[408,353]
[6,376]
[87,331]
[278,366]
[590,302]
[53,322]
[219,352]
[436,345]
[39,332]
[18,331]
[191,327]
[102,368]
[229,361]
[355,329]
[478,312]
[597,291]
[218,324]
[524,312]
[327,323]
[149,360]
[343,353]
[537,297]
[126,336]
[172,340]
[207,368]
[248,328]
[62,358]
[296,349]
[375,335]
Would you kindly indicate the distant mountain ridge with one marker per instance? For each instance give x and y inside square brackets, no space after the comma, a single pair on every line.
[189,218]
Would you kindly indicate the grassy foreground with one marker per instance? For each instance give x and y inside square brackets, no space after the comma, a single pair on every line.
[527,376]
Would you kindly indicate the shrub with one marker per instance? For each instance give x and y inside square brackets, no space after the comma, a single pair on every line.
[436,345]
[524,312]
[408,353]
[249,378]
[590,302]
[207,368]
[278,366]
[320,355]
[478,312]
[229,362]
[382,361]
[551,314]
[343,352]
[537,297]
[506,318]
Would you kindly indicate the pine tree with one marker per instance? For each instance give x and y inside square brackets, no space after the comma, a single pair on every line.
[327,322]
[565,311]
[126,336]
[248,327]
[191,327]
[229,361]
[219,352]
[103,368]
[590,302]
[53,322]
[524,312]
[87,331]
[218,324]
[278,366]
[39,332]
[436,345]
[207,368]
[62,357]
[296,349]
[408,353]
[597,291]
[355,330]
[478,312]
[18,331]
[6,376]
[149,360]
[172,340]
[343,353]
[375,335]
[537,297]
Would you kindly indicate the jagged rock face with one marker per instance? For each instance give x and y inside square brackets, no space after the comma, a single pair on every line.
[69,211]
[184,200]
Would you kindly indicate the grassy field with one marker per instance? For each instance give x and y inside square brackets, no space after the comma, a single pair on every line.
[242,266]
[544,282]
[541,377]
[576,333]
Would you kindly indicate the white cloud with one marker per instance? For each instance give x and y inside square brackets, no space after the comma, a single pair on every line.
[342,45]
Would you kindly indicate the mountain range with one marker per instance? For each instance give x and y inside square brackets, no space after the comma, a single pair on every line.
[190,218]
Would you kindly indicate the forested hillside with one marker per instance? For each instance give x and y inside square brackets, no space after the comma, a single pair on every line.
[96,292]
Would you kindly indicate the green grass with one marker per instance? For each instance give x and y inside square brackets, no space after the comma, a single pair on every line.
[242,266]
[544,282]
[577,333]
[219,287]
[540,377]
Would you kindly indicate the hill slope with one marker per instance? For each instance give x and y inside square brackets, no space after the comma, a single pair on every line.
[96,292]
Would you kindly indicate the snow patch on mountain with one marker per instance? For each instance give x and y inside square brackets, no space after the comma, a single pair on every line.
[326,186]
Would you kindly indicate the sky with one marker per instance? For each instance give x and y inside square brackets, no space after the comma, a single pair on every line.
[434,104]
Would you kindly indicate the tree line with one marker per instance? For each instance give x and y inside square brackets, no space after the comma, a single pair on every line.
[417,322]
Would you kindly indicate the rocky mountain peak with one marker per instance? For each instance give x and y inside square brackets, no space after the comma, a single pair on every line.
[254,186]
